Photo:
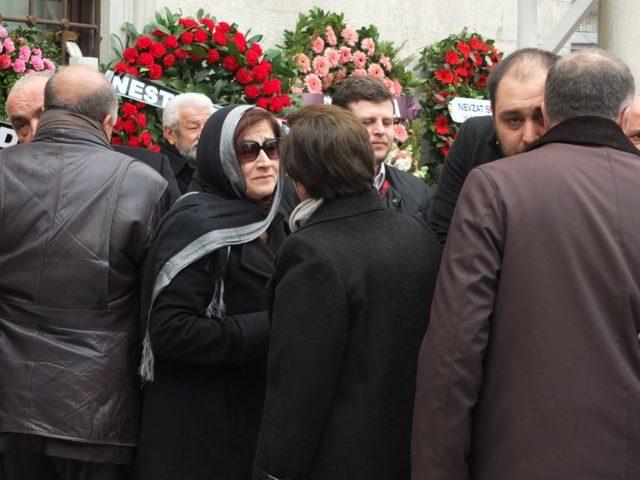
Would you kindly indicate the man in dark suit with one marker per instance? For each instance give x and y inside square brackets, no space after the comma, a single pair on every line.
[531,368]
[182,121]
[370,100]
[516,89]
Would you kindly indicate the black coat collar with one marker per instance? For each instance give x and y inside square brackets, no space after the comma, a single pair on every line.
[589,131]
[346,207]
[176,159]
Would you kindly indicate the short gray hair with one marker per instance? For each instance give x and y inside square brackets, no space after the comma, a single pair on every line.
[95,104]
[171,113]
[24,81]
[588,82]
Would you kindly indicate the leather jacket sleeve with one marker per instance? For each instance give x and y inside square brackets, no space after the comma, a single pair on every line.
[450,361]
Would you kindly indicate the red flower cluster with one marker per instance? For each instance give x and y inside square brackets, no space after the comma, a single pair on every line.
[461,70]
[201,44]
[463,62]
[132,122]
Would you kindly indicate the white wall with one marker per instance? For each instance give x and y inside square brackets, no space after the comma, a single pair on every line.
[419,23]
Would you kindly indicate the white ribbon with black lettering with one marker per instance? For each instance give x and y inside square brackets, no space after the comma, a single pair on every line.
[463,108]
[8,136]
[140,90]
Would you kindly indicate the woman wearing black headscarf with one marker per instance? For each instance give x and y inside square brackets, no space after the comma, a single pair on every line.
[204,306]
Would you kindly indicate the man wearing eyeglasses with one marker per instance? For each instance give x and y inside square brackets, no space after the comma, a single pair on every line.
[370,100]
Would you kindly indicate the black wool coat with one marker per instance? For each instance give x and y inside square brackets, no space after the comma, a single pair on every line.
[476,145]
[181,168]
[351,294]
[202,412]
[407,193]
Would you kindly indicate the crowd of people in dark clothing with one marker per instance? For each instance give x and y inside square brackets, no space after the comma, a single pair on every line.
[273,301]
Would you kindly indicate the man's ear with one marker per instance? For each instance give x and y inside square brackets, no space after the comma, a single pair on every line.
[545,116]
[170,135]
[625,118]
[107,125]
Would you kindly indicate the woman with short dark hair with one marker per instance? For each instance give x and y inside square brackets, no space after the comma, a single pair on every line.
[204,306]
[350,298]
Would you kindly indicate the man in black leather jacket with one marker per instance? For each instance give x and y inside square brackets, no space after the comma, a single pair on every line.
[25,103]
[516,91]
[370,100]
[75,221]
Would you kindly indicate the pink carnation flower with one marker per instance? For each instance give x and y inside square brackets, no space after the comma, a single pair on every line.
[397,88]
[313,83]
[321,66]
[24,53]
[49,65]
[37,63]
[333,56]
[5,62]
[400,132]
[385,62]
[37,52]
[3,32]
[317,45]
[330,35]
[368,45]
[360,59]
[389,84]
[345,54]
[303,62]
[359,72]
[9,47]
[19,66]
[350,36]
[376,71]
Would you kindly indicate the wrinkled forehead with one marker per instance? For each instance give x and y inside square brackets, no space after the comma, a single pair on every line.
[191,113]
[27,99]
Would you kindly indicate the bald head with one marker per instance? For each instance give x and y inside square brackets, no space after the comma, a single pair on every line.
[25,103]
[589,82]
[82,90]
[633,129]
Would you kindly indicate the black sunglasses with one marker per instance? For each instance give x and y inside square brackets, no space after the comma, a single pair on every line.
[249,150]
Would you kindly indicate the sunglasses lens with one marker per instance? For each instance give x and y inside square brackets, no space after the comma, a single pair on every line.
[270,147]
[249,150]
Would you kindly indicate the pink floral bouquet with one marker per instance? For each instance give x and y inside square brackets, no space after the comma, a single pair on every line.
[19,56]
[324,51]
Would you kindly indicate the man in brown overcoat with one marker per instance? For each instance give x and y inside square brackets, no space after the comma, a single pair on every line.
[530,368]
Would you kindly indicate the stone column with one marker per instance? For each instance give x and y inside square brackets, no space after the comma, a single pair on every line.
[619,32]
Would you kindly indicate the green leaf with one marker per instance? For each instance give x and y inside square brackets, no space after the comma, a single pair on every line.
[201,75]
[198,50]
[200,13]
[233,49]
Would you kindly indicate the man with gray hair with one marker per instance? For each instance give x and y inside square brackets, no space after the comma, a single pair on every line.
[75,221]
[25,103]
[182,121]
[530,368]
